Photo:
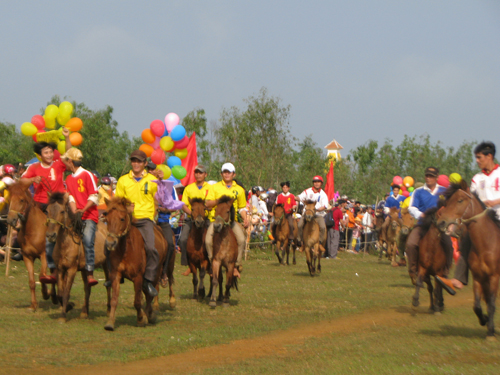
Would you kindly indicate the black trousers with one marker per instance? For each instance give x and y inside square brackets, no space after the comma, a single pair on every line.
[146,227]
[168,234]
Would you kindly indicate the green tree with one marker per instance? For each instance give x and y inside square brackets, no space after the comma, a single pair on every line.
[309,161]
[14,147]
[196,122]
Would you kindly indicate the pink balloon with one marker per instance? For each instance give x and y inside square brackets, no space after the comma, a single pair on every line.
[156,143]
[38,121]
[443,180]
[157,128]
[397,180]
[171,120]
[158,156]
[182,143]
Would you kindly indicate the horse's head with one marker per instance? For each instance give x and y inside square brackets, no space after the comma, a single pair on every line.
[19,202]
[118,218]
[224,213]
[394,218]
[57,214]
[279,213]
[309,210]
[407,220]
[198,211]
[460,204]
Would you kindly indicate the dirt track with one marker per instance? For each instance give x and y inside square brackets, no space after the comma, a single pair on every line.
[269,345]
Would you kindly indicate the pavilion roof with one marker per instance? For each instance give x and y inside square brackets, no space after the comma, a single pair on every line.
[334,145]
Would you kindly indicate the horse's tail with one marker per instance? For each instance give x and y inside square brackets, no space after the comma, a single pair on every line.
[235,283]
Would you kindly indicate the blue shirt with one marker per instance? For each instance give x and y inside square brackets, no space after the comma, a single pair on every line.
[423,199]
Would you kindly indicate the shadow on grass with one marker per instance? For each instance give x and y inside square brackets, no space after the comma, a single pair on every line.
[306,274]
[448,331]
[401,286]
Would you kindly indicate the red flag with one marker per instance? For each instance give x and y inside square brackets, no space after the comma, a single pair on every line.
[330,183]
[191,161]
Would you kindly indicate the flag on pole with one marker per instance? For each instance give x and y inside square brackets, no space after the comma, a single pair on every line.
[330,183]
[191,161]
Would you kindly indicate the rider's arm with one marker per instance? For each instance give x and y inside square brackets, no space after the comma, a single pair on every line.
[65,132]
[412,209]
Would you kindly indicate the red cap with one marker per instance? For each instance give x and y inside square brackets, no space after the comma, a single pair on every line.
[317,178]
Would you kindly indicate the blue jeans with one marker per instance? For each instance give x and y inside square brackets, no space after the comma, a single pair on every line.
[49,249]
[88,239]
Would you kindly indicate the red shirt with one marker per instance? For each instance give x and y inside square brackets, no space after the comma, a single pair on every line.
[52,178]
[288,201]
[337,216]
[81,185]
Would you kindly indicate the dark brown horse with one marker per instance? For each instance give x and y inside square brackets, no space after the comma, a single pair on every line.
[311,243]
[464,208]
[69,254]
[431,262]
[282,230]
[127,258]
[225,250]
[196,252]
[25,216]
[379,222]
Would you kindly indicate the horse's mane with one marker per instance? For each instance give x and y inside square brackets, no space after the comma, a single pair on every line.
[197,200]
[428,219]
[57,197]
[309,201]
[278,205]
[118,201]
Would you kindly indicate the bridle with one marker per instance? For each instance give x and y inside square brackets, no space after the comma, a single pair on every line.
[73,233]
[461,220]
[226,223]
[120,235]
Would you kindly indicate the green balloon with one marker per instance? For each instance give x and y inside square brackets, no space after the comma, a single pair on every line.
[179,172]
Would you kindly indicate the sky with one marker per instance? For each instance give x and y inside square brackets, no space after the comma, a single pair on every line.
[350,70]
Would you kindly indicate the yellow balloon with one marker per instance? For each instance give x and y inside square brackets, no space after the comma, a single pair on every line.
[166,170]
[455,178]
[62,120]
[50,123]
[181,154]
[51,111]
[28,129]
[65,109]
[406,203]
[61,147]
[166,143]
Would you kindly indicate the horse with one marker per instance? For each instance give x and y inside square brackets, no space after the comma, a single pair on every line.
[379,222]
[464,208]
[282,230]
[431,262]
[127,258]
[196,252]
[225,250]
[311,243]
[31,236]
[392,234]
[69,254]
[407,224]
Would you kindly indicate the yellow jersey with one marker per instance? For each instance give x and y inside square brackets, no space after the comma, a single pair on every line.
[234,191]
[193,191]
[141,193]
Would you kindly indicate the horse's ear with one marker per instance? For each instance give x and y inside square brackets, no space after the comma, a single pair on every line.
[49,194]
[106,200]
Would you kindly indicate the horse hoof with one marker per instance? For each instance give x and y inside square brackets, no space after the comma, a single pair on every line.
[225,304]
[491,338]
[437,312]
[84,315]
[45,296]
[109,327]
[31,309]
[152,319]
[173,303]
[394,265]
[70,306]
[61,320]
[294,262]
[156,307]
[212,304]
[142,322]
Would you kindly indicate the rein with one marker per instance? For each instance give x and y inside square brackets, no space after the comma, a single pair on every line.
[278,222]
[71,229]
[461,220]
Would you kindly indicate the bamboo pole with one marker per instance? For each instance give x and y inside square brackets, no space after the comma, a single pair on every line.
[8,244]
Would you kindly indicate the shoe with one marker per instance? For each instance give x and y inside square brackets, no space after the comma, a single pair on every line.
[48,279]
[446,284]
[402,263]
[149,289]
[164,280]
[92,281]
[186,272]
[17,257]
[109,284]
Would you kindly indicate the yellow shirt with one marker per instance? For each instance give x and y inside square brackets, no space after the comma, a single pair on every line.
[234,191]
[191,191]
[141,193]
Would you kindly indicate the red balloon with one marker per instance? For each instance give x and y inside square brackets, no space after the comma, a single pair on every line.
[406,193]
[443,180]
[397,180]
[182,143]
[38,121]
[403,188]
[157,127]
[158,156]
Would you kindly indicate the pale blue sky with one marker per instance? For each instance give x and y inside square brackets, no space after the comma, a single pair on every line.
[351,70]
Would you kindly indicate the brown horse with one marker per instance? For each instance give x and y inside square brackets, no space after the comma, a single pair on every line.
[464,208]
[225,250]
[379,222]
[282,230]
[196,252]
[127,258]
[69,254]
[407,224]
[311,241]
[431,262]
[31,236]
[392,234]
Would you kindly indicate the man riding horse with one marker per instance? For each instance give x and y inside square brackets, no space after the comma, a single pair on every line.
[289,204]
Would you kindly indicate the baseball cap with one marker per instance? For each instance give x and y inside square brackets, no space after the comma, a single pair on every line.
[317,178]
[151,165]
[73,154]
[200,168]
[431,171]
[228,167]
[138,154]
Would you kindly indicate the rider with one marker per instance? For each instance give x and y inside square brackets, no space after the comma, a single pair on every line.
[83,200]
[424,198]
[486,184]
[394,200]
[318,195]
[138,187]
[47,177]
[104,192]
[198,189]
[287,199]
[230,188]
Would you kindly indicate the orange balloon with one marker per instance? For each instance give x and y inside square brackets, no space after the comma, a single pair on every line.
[148,136]
[74,124]
[147,149]
[75,139]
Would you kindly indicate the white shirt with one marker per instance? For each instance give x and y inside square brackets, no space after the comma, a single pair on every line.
[320,198]
[367,222]
[487,187]
[263,210]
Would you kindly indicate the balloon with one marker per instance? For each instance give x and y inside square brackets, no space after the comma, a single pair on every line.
[50,123]
[171,120]
[165,133]
[178,133]
[75,124]
[406,193]
[28,129]
[38,121]
[158,156]
[181,154]
[408,181]
[157,128]
[156,143]
[179,172]
[397,180]
[51,111]
[62,120]
[173,161]
[65,109]
[166,144]
[406,203]
[443,180]
[403,188]
[76,139]
[182,143]
[455,178]
[147,149]
[147,136]
[39,131]
[167,172]
[410,189]
[61,147]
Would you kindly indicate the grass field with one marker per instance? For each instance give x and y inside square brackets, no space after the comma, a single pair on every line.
[353,318]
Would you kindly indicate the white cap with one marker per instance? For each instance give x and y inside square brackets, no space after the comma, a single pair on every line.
[211,182]
[228,167]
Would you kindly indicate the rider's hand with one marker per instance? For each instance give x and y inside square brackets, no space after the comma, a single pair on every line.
[160,174]
[65,131]
[489,203]
[246,223]
[37,179]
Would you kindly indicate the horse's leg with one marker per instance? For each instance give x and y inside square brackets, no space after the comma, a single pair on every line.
[483,319]
[31,274]
[115,292]
[277,248]
[393,255]
[215,283]
[320,255]
[142,319]
[292,244]
[419,284]
[220,298]
[229,282]
[430,289]
[283,251]
[170,273]
[438,297]
[194,271]
[201,289]
[86,287]
[308,250]
[43,270]
[490,298]
[69,277]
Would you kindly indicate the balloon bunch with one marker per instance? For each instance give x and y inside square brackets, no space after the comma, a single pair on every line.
[406,185]
[53,113]
[162,137]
